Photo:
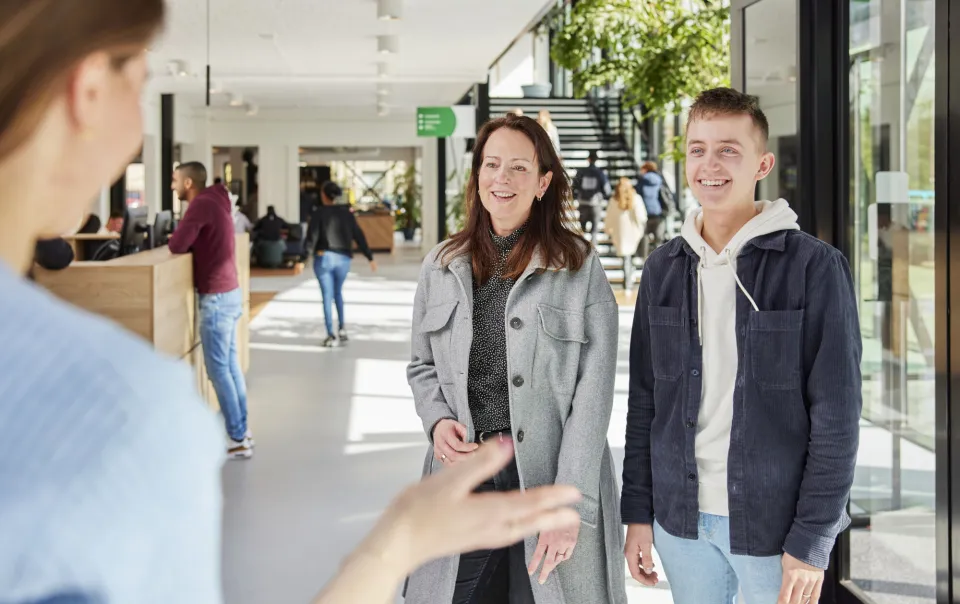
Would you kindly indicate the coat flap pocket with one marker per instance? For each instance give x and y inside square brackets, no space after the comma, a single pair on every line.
[665,315]
[776,320]
[588,509]
[559,324]
[437,317]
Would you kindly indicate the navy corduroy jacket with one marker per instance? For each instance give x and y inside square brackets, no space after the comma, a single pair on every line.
[797,401]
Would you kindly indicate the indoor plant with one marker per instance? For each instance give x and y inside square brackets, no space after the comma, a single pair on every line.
[407,190]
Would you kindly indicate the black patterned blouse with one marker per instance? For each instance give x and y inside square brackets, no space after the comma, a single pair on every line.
[487,380]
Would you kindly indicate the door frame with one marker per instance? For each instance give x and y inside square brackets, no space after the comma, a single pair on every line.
[823,177]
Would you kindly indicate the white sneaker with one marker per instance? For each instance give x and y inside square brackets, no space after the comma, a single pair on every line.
[239,450]
[248,437]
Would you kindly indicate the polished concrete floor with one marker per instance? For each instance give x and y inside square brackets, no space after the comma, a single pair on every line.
[337,434]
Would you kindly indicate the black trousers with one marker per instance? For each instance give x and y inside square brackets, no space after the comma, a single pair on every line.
[590,214]
[495,576]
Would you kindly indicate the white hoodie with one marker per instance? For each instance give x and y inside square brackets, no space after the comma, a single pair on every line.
[717,311]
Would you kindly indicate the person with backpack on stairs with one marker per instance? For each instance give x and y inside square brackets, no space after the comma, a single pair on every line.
[591,187]
[651,188]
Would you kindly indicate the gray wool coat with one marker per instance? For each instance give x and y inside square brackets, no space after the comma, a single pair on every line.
[565,350]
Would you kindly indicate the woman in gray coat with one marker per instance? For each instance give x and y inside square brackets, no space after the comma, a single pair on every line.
[515,337]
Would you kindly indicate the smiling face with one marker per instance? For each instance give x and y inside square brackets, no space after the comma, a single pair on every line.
[726,156]
[509,181]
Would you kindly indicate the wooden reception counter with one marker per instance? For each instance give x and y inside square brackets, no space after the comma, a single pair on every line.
[151,294]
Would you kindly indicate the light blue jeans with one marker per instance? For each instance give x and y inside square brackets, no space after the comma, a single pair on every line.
[219,314]
[331,270]
[703,571]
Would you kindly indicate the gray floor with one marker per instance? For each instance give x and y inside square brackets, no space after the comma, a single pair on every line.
[336,431]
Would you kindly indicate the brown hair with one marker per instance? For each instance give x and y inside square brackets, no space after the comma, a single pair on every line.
[546,230]
[727,101]
[624,194]
[649,166]
[42,40]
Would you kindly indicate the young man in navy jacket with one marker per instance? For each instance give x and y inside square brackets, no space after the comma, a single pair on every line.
[745,390]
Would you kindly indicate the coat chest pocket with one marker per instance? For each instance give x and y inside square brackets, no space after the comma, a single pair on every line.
[666,342]
[775,348]
[558,349]
[437,327]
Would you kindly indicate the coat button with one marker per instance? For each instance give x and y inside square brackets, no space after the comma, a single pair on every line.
[518,381]
[691,424]
[692,477]
[695,372]
[520,436]
[516,323]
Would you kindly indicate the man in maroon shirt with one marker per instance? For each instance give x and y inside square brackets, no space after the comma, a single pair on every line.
[206,230]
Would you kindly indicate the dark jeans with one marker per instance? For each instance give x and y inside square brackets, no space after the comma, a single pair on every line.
[590,214]
[495,576]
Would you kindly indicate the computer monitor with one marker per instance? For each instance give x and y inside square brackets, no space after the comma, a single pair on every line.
[162,228]
[134,231]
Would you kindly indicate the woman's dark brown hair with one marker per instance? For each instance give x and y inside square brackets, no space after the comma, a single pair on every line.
[42,40]
[559,246]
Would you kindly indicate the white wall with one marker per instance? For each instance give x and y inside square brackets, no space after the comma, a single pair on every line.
[514,70]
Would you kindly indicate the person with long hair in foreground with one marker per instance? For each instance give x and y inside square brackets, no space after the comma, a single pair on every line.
[109,461]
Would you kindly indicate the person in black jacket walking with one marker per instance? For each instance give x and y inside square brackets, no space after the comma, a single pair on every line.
[333,229]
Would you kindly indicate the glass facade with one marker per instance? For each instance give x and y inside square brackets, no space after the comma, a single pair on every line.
[892,200]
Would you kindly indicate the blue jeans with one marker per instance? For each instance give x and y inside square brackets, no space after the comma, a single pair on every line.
[219,314]
[331,270]
[703,571]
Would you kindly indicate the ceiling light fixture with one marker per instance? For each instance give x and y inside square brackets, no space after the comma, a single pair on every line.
[252,109]
[388,45]
[236,100]
[383,70]
[389,10]
[383,90]
[382,109]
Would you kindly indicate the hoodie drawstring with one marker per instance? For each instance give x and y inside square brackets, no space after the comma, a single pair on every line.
[700,266]
[742,288]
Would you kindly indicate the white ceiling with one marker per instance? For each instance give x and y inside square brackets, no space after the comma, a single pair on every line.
[283,54]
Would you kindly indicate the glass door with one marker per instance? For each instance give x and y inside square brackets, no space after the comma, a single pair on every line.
[892,544]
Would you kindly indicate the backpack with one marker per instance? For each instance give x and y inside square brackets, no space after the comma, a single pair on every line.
[589,184]
[668,202]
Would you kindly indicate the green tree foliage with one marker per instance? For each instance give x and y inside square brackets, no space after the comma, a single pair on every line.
[662,51]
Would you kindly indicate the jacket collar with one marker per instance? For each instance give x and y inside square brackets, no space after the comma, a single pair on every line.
[462,264]
[774,241]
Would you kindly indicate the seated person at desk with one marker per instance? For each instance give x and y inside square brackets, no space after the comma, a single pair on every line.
[206,229]
[268,236]
[115,224]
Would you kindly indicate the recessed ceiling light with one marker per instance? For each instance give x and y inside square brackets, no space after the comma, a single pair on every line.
[388,45]
[383,70]
[383,90]
[382,109]
[389,10]
[236,100]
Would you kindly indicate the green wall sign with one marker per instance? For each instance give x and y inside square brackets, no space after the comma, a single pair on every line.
[437,122]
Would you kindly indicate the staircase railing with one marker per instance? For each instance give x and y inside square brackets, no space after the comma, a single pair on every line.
[621,121]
